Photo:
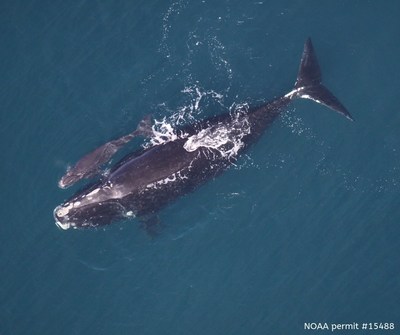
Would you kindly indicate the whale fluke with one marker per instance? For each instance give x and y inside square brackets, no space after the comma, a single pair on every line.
[309,83]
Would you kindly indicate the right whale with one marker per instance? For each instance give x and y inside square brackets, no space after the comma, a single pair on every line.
[145,181]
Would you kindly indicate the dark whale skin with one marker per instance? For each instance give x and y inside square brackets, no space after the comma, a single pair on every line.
[143,183]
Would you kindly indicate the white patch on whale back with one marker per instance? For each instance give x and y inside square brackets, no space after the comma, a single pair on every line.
[226,138]
[129,214]
[96,190]
[164,130]
[177,176]
[223,138]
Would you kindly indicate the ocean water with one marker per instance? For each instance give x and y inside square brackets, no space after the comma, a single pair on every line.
[304,229]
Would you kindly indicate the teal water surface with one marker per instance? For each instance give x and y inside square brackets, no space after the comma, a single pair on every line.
[304,229]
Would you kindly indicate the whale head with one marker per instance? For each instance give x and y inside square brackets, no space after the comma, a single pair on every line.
[97,206]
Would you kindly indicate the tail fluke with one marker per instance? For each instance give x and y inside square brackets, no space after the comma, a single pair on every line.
[308,84]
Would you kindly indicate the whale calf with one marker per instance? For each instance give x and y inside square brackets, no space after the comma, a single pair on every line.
[145,181]
[88,166]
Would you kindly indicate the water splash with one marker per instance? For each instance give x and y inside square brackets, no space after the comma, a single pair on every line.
[164,131]
[225,138]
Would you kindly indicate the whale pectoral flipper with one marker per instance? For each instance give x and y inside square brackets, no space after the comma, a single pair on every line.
[143,129]
[89,165]
[309,83]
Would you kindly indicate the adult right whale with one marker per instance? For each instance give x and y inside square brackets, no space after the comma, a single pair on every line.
[145,181]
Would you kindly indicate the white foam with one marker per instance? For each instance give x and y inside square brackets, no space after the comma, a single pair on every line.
[163,132]
[226,138]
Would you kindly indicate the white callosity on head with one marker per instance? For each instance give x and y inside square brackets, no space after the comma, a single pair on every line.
[62,211]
